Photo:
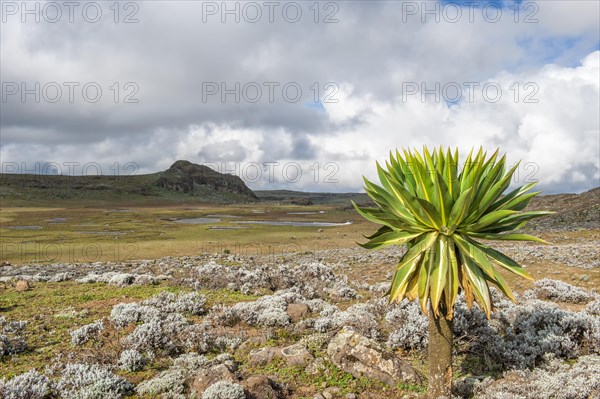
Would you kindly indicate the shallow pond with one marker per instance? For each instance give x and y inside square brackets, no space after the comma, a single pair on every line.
[25,227]
[198,220]
[293,223]
[116,233]
[57,220]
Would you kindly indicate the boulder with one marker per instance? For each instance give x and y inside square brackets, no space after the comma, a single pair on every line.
[248,345]
[260,387]
[363,357]
[297,311]
[263,356]
[22,285]
[317,366]
[331,392]
[206,377]
[297,355]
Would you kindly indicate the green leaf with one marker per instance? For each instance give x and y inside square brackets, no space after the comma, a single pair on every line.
[442,199]
[503,286]
[461,207]
[397,196]
[489,219]
[470,172]
[452,283]
[440,162]
[378,216]
[518,218]
[438,271]
[380,231]
[478,284]
[422,181]
[413,253]
[409,179]
[391,205]
[417,207]
[493,193]
[449,174]
[390,238]
[473,252]
[491,174]
[502,202]
[423,283]
[507,237]
[396,169]
[504,261]
[402,277]
[412,289]
[432,215]
[519,203]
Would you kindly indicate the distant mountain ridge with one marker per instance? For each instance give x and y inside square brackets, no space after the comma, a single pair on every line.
[184,181]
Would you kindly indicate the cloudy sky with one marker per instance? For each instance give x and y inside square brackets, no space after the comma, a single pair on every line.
[300,95]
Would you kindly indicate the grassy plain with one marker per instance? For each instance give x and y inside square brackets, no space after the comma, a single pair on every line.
[90,234]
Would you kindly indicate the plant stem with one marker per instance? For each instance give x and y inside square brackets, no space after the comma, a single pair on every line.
[440,356]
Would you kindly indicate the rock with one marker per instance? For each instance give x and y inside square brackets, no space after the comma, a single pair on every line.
[227,360]
[297,355]
[5,263]
[206,377]
[260,387]
[331,392]
[316,367]
[263,356]
[363,357]
[303,392]
[350,396]
[248,345]
[22,285]
[297,311]
[294,355]
[319,396]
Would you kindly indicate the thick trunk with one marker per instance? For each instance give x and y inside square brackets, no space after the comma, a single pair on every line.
[440,356]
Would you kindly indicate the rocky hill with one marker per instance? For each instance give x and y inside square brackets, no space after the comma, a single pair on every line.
[573,211]
[187,177]
[182,182]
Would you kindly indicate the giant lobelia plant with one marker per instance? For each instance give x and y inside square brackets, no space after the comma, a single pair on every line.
[441,211]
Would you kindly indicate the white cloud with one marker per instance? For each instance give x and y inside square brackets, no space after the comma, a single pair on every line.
[557,138]
[372,53]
